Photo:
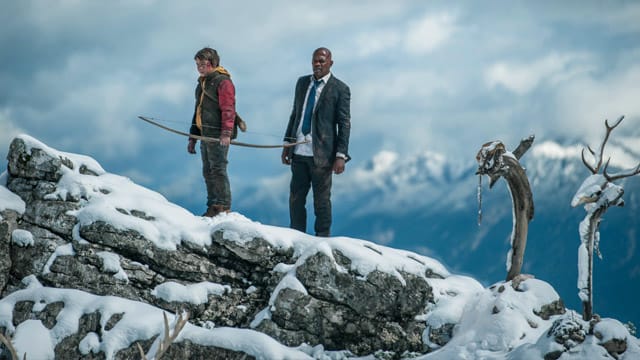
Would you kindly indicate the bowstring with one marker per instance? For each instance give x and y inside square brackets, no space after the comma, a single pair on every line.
[177,122]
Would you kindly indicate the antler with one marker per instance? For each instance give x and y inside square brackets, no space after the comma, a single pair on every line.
[598,157]
[168,337]
[584,161]
[620,175]
[9,345]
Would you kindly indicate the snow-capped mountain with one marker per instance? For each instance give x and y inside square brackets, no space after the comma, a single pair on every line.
[429,203]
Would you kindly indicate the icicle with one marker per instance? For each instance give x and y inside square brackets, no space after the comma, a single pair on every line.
[596,244]
[479,199]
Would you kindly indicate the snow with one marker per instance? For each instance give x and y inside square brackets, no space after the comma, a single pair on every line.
[597,194]
[22,238]
[89,344]
[111,264]
[288,282]
[590,190]
[195,293]
[140,321]
[108,196]
[583,273]
[498,322]
[498,319]
[23,341]
[9,200]
[512,239]
[451,295]
[63,250]
[609,329]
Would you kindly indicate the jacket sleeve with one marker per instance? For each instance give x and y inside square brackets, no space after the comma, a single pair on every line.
[343,121]
[193,130]
[290,132]
[227,101]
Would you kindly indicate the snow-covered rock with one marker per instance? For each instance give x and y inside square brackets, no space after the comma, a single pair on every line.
[93,260]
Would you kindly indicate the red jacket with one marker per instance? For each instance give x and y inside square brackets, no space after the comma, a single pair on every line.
[227,101]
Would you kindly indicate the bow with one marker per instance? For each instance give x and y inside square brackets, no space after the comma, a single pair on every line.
[210,139]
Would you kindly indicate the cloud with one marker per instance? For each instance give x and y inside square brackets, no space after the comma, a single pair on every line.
[378,41]
[586,102]
[8,129]
[427,34]
[407,87]
[181,186]
[522,78]
[423,75]
[618,19]
[414,38]
[554,150]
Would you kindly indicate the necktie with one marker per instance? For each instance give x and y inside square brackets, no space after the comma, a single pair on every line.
[311,100]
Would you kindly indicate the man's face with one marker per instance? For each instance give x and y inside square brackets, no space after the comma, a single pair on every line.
[204,67]
[321,63]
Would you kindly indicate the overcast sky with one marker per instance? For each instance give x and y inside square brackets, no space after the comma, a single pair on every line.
[424,75]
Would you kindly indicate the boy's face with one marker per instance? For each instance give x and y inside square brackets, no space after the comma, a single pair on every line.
[204,67]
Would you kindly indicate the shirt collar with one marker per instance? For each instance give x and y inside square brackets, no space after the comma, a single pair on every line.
[324,79]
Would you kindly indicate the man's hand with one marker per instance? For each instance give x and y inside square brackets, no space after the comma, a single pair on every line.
[191,147]
[338,166]
[286,159]
[225,140]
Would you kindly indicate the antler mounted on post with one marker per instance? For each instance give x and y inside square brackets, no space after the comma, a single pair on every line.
[495,161]
[597,193]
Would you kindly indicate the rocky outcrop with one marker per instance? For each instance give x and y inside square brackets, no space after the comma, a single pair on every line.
[348,312]
[92,261]
[8,223]
[335,305]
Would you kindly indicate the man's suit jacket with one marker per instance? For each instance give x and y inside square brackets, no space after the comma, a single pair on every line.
[330,122]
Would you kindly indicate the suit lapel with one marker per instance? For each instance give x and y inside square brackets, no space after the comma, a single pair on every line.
[302,92]
[303,89]
[328,87]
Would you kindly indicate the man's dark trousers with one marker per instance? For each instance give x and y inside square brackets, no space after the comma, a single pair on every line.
[304,174]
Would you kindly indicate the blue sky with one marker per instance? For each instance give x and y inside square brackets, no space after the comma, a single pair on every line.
[424,75]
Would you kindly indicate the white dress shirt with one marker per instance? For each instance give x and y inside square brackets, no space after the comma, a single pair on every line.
[307,149]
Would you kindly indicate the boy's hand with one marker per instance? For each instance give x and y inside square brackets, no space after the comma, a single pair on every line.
[191,147]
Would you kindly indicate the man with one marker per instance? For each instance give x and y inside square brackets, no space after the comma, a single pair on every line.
[321,115]
[214,117]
